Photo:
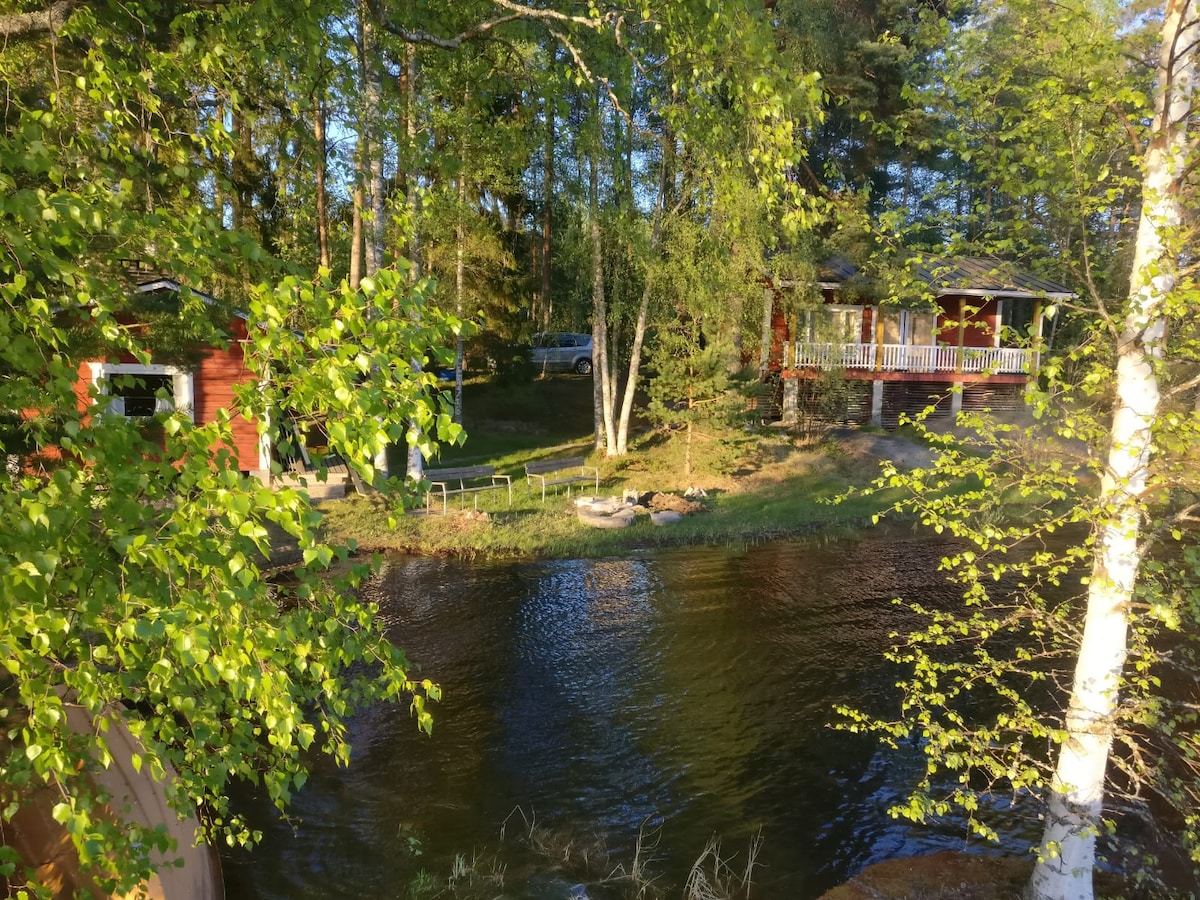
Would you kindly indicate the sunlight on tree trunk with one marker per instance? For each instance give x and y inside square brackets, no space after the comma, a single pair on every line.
[371,147]
[601,396]
[322,163]
[544,306]
[639,330]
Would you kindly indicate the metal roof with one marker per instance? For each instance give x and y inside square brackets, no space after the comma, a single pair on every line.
[970,275]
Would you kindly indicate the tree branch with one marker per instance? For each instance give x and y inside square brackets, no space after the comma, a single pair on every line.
[516,12]
[553,15]
[43,21]
[52,19]
[587,73]
[1187,385]
[453,42]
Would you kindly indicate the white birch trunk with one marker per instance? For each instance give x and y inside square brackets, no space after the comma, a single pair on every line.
[415,468]
[545,303]
[639,329]
[1067,852]
[635,364]
[322,164]
[372,87]
[601,387]
[764,343]
[408,247]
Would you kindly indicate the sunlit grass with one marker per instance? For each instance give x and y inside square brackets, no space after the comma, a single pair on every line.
[531,528]
[760,484]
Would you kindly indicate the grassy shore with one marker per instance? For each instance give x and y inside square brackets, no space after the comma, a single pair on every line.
[760,483]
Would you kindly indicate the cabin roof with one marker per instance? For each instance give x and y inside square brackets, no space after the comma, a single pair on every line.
[954,274]
[980,276]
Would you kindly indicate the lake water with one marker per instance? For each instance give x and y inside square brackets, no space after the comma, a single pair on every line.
[678,695]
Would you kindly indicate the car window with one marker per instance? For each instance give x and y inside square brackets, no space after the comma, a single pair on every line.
[558,340]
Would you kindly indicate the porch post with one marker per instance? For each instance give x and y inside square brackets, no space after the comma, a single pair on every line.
[962,333]
[1035,357]
[877,402]
[878,314]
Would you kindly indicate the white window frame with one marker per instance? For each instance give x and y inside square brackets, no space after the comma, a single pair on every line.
[811,326]
[906,325]
[182,383]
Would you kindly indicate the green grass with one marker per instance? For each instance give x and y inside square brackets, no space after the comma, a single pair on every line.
[510,424]
[530,529]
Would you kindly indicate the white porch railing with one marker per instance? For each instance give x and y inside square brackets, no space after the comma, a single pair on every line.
[910,358]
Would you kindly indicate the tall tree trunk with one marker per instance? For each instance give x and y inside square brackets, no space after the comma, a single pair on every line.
[415,464]
[1065,860]
[356,223]
[639,328]
[322,163]
[546,301]
[460,269]
[766,335]
[369,71]
[222,175]
[147,142]
[601,392]
[411,70]
[666,180]
[370,167]
[243,149]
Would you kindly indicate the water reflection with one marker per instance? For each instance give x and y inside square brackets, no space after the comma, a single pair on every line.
[687,691]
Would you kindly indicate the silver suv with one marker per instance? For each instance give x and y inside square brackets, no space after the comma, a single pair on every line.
[563,351]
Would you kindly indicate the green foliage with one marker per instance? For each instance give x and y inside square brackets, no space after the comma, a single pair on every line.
[697,378]
[134,575]
[1044,111]
[1045,114]
[983,684]
[352,366]
[876,130]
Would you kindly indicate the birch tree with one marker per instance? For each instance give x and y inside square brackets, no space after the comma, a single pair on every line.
[1053,680]
[1075,802]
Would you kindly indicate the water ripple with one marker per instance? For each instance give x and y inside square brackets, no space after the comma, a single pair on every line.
[691,689]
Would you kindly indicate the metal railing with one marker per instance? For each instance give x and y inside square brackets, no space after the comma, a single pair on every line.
[912,358]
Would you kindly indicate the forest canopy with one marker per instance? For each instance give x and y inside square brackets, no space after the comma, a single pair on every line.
[376,189]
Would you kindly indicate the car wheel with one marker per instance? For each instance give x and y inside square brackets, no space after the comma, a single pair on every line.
[583,366]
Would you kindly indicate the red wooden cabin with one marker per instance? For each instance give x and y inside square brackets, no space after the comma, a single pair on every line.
[976,340]
[201,388]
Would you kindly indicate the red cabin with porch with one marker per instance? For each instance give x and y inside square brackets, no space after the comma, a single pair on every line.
[975,341]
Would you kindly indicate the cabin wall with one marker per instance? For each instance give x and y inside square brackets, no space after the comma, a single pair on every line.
[981,322]
[215,375]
